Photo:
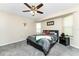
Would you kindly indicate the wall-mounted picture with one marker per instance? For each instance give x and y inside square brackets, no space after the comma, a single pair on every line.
[50,23]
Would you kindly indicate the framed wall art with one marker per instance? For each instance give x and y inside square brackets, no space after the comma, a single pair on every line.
[49,23]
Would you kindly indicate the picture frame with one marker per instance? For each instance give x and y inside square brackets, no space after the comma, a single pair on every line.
[50,23]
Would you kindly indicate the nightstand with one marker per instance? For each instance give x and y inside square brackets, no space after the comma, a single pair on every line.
[64,40]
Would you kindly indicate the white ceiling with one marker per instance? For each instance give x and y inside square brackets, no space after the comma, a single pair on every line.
[48,9]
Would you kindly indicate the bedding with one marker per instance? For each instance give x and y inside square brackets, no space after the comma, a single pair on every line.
[42,41]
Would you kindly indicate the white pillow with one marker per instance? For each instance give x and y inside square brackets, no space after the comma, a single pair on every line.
[43,36]
[53,33]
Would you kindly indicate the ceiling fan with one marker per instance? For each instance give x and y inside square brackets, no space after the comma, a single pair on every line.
[33,8]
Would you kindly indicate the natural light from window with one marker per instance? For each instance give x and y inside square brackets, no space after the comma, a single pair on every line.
[38,28]
[68,23]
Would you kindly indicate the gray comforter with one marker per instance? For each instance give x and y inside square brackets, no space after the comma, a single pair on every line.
[44,42]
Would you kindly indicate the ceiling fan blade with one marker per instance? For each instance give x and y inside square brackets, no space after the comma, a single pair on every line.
[39,6]
[40,12]
[26,11]
[27,5]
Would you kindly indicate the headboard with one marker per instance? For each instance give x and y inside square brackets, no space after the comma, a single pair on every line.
[56,31]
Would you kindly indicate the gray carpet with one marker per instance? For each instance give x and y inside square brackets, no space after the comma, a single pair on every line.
[22,49]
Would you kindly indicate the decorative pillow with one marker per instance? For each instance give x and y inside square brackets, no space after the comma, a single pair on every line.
[46,32]
[43,36]
[53,33]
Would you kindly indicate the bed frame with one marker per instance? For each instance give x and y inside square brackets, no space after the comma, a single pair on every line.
[40,47]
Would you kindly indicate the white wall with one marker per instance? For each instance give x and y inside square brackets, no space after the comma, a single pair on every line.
[12,28]
[58,23]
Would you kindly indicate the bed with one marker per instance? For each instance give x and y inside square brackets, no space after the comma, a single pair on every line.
[44,42]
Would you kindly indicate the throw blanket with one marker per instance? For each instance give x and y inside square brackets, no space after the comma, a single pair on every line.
[44,43]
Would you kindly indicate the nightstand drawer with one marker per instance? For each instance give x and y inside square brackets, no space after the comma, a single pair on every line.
[64,40]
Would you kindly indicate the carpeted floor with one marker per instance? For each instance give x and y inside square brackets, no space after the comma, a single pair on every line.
[22,49]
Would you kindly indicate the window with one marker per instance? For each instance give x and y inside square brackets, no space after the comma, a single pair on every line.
[68,23]
[38,28]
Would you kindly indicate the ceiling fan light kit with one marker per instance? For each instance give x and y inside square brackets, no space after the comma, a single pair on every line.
[33,9]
